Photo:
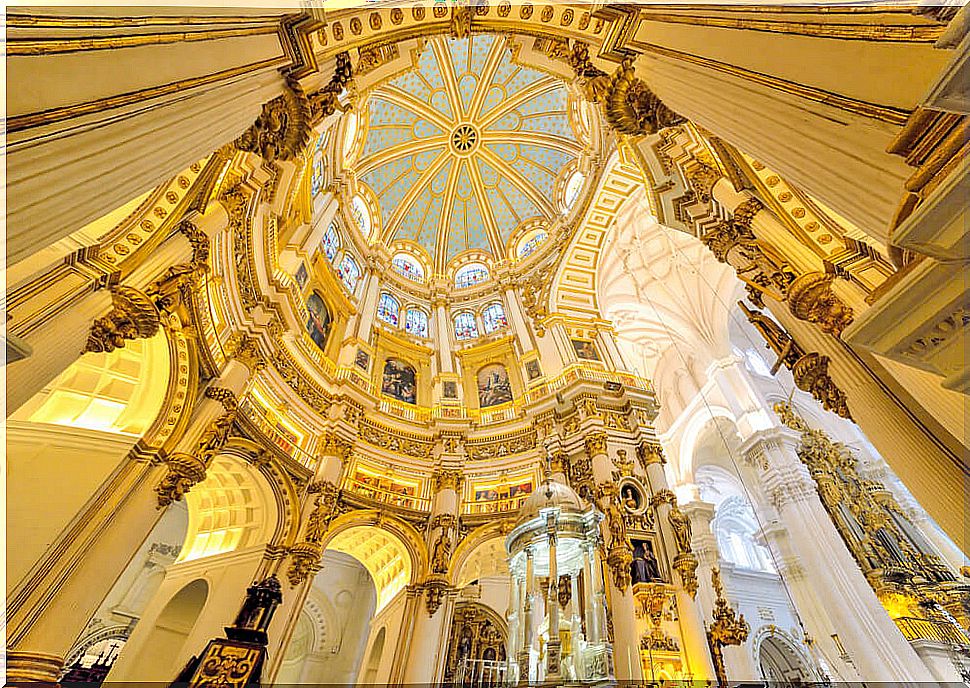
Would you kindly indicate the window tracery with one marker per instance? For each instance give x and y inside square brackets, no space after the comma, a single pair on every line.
[493,318]
[470,275]
[349,272]
[416,322]
[408,267]
[388,309]
[465,326]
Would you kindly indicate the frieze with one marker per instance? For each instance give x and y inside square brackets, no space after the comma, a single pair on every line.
[395,440]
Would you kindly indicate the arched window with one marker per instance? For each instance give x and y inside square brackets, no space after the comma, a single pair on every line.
[473,273]
[330,242]
[465,326]
[349,272]
[530,243]
[350,134]
[317,174]
[388,309]
[573,186]
[408,267]
[416,322]
[361,213]
[493,318]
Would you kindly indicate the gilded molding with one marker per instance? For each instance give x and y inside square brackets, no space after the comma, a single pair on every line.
[184,471]
[447,479]
[596,443]
[650,453]
[224,396]
[306,555]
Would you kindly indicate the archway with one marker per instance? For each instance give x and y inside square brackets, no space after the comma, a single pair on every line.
[782,662]
[158,654]
[374,657]
[328,642]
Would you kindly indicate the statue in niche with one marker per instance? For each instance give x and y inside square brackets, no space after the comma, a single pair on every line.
[645,568]
[681,527]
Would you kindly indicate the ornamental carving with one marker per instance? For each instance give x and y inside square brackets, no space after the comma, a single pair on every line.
[871,523]
[735,244]
[197,239]
[282,129]
[441,547]
[649,453]
[685,564]
[632,108]
[619,554]
[728,628]
[810,370]
[535,293]
[503,446]
[435,588]
[461,21]
[334,445]
[680,524]
[215,437]
[446,479]
[133,315]
[810,298]
[184,471]
[305,556]
[223,396]
[579,474]
[396,442]
[596,443]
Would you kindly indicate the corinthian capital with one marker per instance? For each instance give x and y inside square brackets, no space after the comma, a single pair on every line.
[133,315]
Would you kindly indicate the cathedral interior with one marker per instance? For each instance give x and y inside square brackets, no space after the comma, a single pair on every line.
[487,343]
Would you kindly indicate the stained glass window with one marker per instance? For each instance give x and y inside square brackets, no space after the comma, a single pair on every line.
[388,309]
[493,318]
[349,273]
[473,273]
[361,215]
[531,243]
[409,267]
[416,322]
[465,326]
[330,242]
[573,187]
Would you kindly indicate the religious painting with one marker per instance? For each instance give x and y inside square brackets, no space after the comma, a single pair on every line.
[630,497]
[301,276]
[645,567]
[400,381]
[532,369]
[493,386]
[362,359]
[520,490]
[449,389]
[488,494]
[585,350]
[319,322]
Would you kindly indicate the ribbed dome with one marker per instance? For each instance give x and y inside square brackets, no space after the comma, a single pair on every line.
[550,493]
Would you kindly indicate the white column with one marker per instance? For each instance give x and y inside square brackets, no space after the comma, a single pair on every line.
[50,608]
[444,328]
[307,237]
[877,648]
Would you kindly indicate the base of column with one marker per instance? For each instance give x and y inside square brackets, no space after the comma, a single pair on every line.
[33,666]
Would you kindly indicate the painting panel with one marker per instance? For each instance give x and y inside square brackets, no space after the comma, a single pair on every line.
[493,386]
[362,359]
[319,322]
[400,381]
[585,350]
[532,369]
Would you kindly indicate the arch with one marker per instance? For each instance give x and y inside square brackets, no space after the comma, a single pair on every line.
[172,628]
[400,534]
[408,266]
[373,663]
[233,508]
[780,658]
[484,558]
[472,543]
[692,431]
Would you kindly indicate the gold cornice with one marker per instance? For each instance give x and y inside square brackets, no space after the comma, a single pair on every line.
[60,114]
[397,340]
[128,22]
[486,349]
[861,31]
[882,113]
[58,45]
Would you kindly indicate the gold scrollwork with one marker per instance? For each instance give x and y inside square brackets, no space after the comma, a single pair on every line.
[133,315]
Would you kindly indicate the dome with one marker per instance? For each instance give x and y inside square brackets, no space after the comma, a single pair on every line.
[549,493]
[467,151]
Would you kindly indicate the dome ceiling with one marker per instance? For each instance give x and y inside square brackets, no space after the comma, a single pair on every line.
[466,146]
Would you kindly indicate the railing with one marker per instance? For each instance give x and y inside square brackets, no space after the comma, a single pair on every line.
[253,412]
[925,629]
[495,506]
[482,672]
[386,496]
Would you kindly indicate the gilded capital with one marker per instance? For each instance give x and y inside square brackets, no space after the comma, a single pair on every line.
[446,479]
[650,453]
[184,471]
[596,443]
[133,315]
[810,298]
[224,396]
